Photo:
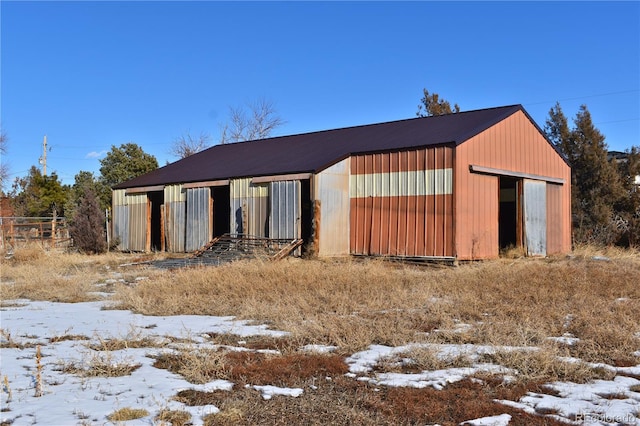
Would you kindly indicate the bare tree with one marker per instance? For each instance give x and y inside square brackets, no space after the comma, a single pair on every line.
[186,144]
[256,123]
[4,168]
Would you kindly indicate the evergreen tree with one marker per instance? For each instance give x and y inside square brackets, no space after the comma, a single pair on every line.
[125,163]
[596,188]
[597,181]
[36,195]
[87,227]
[557,131]
[629,206]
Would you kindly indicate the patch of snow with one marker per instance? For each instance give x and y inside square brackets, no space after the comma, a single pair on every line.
[323,349]
[269,391]
[603,402]
[567,339]
[437,379]
[501,420]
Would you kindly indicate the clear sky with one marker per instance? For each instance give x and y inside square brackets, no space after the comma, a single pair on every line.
[90,75]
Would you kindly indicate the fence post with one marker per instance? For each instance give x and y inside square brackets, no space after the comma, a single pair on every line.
[53,227]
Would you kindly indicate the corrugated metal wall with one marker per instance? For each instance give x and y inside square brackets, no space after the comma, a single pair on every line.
[557,209]
[285,212]
[535,217]
[331,192]
[402,203]
[198,218]
[249,207]
[175,218]
[514,144]
[120,219]
[138,221]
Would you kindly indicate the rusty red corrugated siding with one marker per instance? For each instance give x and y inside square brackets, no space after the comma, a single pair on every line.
[402,203]
[517,145]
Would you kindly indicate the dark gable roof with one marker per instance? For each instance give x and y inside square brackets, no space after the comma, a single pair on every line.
[313,152]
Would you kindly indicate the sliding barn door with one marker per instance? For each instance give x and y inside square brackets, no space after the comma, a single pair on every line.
[535,217]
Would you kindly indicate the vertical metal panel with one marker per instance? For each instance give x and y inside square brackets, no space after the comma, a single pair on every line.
[198,218]
[513,144]
[535,217]
[138,221]
[555,224]
[120,219]
[402,203]
[285,213]
[331,191]
[249,207]
[175,218]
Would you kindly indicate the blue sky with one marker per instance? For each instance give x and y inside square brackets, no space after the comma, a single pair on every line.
[90,75]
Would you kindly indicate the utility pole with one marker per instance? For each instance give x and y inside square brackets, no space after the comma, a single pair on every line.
[43,159]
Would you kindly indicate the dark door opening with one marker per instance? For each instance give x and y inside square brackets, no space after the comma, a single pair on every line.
[156,199]
[221,210]
[508,213]
[306,205]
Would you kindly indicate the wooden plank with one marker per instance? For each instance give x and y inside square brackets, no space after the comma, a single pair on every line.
[222,182]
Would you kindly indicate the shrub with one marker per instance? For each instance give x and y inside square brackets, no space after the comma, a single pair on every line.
[87,226]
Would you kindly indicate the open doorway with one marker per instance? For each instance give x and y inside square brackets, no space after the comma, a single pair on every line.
[221,211]
[306,231]
[509,223]
[156,231]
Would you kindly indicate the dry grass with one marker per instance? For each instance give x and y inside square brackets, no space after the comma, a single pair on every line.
[343,401]
[173,418]
[418,359]
[354,304]
[593,295]
[38,274]
[127,413]
[99,365]
[248,367]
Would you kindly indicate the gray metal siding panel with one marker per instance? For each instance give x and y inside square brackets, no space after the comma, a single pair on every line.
[535,217]
[174,207]
[284,201]
[198,218]
[138,214]
[332,193]
[249,208]
[120,226]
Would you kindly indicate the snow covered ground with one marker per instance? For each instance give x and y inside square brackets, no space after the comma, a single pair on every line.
[68,399]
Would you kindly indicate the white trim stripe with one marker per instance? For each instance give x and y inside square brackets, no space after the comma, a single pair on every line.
[402,184]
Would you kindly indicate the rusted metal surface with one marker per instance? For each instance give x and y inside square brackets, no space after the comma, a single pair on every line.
[138,222]
[331,214]
[249,207]
[516,145]
[198,226]
[558,207]
[402,203]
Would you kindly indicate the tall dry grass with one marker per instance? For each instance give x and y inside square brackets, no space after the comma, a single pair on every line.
[352,304]
[36,273]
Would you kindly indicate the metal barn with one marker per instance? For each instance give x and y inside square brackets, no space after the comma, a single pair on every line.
[459,186]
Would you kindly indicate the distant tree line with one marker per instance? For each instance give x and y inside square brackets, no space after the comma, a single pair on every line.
[86,202]
[605,199]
